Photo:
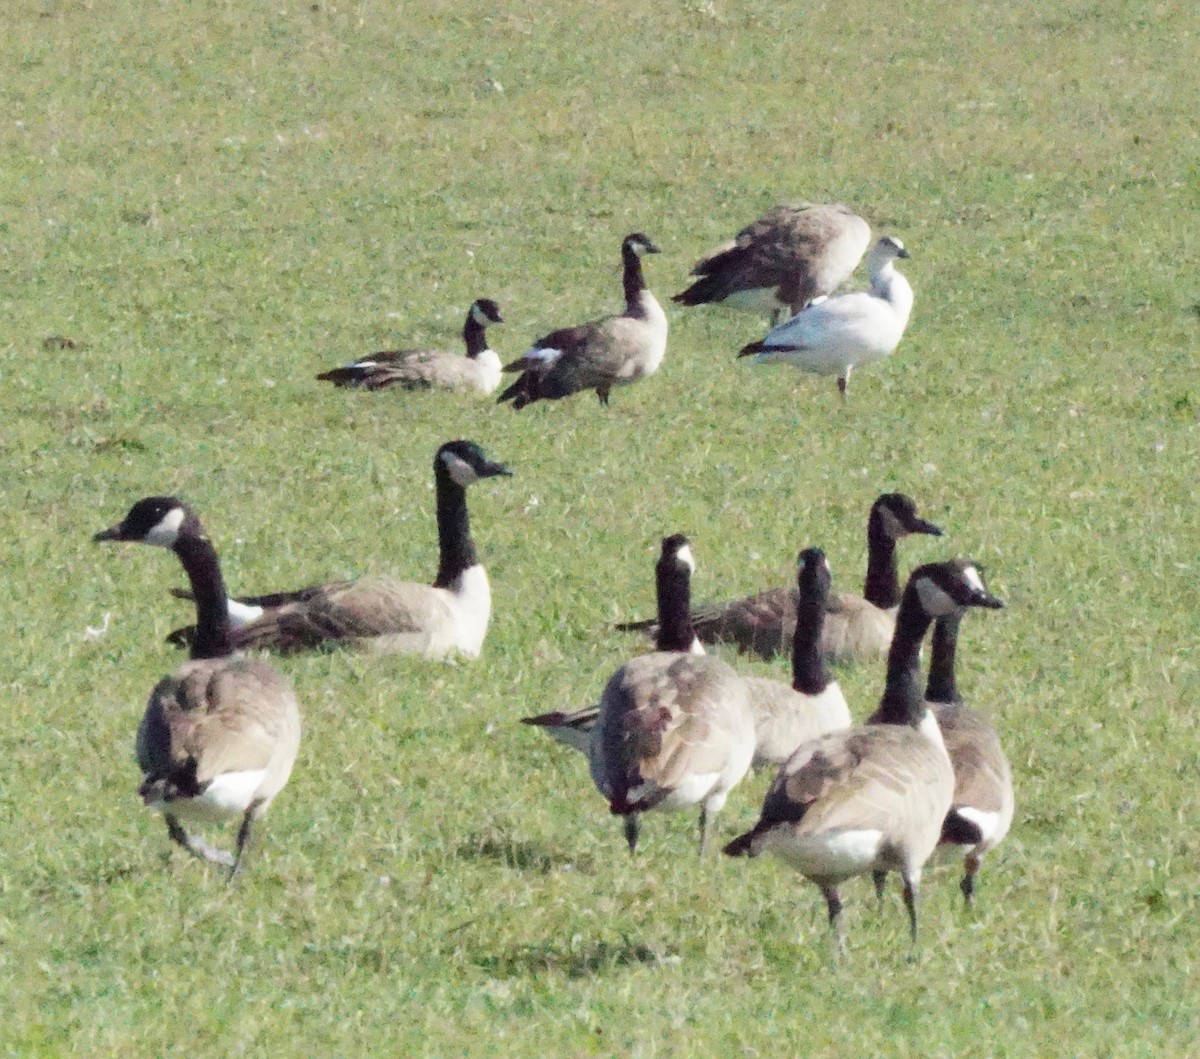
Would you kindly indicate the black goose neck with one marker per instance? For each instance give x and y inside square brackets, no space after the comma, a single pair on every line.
[902,702]
[674,588]
[941,686]
[882,586]
[474,335]
[634,281]
[809,675]
[200,563]
[456,550]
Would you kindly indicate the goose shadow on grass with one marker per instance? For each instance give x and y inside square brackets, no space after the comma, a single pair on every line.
[573,960]
[518,855]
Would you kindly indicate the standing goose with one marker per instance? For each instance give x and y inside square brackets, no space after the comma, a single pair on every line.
[674,729]
[613,351]
[982,810]
[855,627]
[380,612]
[219,735]
[421,369]
[836,335]
[873,799]
[787,259]
[813,706]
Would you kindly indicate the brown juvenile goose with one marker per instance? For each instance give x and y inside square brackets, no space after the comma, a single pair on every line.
[600,355]
[419,369]
[219,735]
[873,799]
[383,613]
[673,729]
[856,627]
[787,259]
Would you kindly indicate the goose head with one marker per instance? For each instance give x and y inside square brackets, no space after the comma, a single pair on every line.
[638,243]
[156,520]
[484,311]
[896,514]
[814,576]
[885,251]
[464,463]
[951,587]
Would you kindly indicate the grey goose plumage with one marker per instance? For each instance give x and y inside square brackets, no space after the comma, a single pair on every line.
[600,355]
[380,612]
[418,369]
[673,729]
[790,257]
[855,627]
[873,799]
[220,735]
[813,704]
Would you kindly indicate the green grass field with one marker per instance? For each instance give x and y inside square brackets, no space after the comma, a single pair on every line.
[214,201]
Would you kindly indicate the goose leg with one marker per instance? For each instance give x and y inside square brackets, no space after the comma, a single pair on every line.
[844,383]
[632,827]
[970,870]
[705,827]
[243,837]
[196,846]
[912,884]
[879,878]
[602,392]
[834,903]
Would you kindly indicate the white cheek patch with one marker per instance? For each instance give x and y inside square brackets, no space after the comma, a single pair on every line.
[684,555]
[479,316]
[971,576]
[461,472]
[934,599]
[165,532]
[828,568]
[697,647]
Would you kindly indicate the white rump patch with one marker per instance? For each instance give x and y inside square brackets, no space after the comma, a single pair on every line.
[165,532]
[988,823]
[242,614]
[834,855]
[229,794]
[684,555]
[934,599]
[461,472]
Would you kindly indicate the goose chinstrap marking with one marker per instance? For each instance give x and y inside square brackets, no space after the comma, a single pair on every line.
[220,735]
[600,355]
[872,799]
[834,336]
[418,369]
[787,259]
[673,729]
[382,613]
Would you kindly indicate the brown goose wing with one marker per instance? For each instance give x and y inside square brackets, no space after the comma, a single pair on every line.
[982,775]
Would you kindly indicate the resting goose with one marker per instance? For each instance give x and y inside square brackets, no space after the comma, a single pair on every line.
[855,627]
[673,729]
[613,351]
[813,705]
[380,612]
[419,369]
[838,334]
[787,259]
[872,799]
[219,735]
[982,810]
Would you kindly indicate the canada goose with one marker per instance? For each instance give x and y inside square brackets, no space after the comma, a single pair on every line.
[873,799]
[836,335]
[813,705]
[381,612]
[787,259]
[418,369]
[613,351]
[674,729]
[220,734]
[983,805]
[854,628]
